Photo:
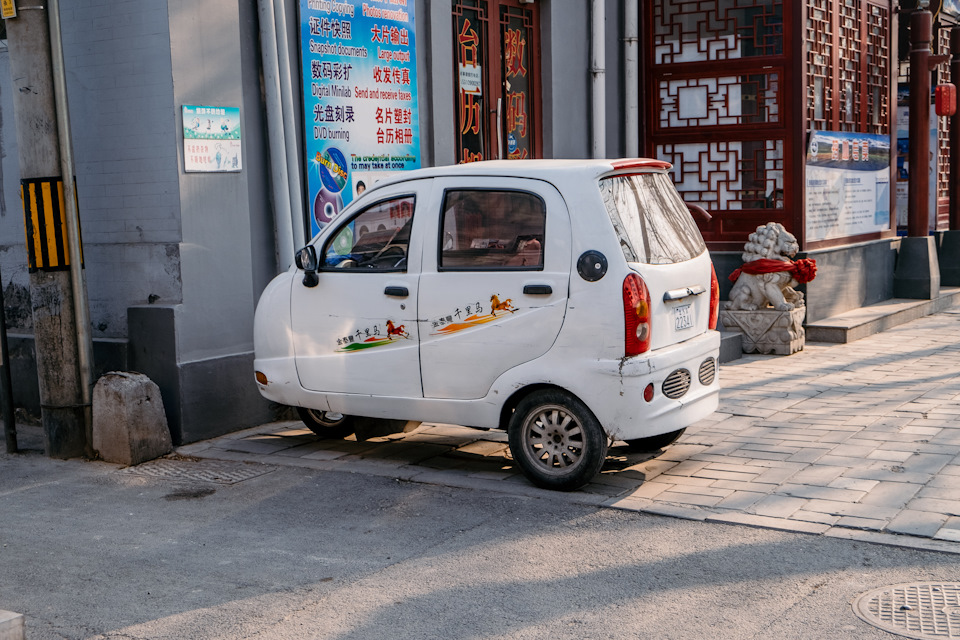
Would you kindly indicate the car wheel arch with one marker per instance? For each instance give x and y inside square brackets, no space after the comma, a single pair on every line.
[506,411]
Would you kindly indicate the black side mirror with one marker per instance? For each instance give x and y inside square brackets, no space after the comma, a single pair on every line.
[306,259]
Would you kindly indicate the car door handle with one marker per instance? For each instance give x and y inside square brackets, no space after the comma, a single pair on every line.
[397,292]
[538,289]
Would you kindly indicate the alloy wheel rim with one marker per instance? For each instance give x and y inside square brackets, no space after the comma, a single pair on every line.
[553,439]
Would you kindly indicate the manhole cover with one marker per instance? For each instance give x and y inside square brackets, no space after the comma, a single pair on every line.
[218,471]
[917,610]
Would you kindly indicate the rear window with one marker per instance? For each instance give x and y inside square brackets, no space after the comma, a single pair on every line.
[651,220]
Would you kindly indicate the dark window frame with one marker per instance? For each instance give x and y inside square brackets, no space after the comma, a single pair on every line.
[322,257]
[494,269]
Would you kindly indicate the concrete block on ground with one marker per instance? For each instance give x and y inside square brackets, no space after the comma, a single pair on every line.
[129,424]
[11,626]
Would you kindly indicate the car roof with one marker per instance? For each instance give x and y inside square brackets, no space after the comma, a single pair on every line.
[549,170]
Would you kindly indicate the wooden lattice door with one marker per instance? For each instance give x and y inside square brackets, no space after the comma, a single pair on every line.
[718,76]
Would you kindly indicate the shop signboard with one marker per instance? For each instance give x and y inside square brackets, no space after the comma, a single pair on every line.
[847,184]
[359,75]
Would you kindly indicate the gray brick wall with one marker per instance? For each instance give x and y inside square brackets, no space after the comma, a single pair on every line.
[120,86]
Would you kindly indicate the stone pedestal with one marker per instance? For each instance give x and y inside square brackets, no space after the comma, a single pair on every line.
[767,330]
[917,275]
[948,255]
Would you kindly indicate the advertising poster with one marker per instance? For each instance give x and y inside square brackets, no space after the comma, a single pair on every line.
[211,139]
[848,184]
[903,159]
[360,98]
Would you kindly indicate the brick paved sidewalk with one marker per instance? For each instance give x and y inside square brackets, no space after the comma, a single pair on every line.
[858,440]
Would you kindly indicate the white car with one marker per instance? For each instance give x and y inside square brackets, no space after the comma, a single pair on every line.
[570,302]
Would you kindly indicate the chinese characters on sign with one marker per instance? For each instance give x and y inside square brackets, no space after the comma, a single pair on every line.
[211,139]
[470,45]
[360,105]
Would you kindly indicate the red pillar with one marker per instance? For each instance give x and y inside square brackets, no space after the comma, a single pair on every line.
[918,211]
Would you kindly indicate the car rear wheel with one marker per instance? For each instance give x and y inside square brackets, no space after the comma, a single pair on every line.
[653,443]
[326,424]
[556,440]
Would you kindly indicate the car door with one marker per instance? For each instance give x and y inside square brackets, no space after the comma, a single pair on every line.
[356,330]
[493,292]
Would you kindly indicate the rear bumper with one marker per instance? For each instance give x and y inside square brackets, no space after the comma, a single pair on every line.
[618,401]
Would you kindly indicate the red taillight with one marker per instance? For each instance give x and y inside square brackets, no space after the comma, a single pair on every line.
[714,297]
[636,315]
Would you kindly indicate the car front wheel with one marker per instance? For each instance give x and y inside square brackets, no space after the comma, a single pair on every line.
[556,440]
[326,424]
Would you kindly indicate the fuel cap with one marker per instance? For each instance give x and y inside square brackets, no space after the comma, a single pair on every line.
[592,266]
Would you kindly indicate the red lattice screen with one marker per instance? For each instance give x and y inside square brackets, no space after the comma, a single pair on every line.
[719,78]
[943,139]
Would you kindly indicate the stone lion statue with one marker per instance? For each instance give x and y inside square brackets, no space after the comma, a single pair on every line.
[768,274]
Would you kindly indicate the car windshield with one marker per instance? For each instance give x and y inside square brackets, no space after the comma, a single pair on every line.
[651,220]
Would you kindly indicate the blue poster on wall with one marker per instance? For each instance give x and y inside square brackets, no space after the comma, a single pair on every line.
[359,75]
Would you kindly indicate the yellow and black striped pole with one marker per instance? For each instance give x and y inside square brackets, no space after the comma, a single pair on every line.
[44,214]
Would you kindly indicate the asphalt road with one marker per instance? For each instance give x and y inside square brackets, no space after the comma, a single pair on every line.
[89,551]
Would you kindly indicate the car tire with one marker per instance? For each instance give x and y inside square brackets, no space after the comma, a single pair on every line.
[556,440]
[326,424]
[654,443]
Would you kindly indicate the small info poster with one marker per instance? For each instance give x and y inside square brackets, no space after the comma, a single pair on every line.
[360,98]
[848,185]
[211,139]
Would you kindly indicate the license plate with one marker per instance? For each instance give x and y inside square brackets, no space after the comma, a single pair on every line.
[682,317]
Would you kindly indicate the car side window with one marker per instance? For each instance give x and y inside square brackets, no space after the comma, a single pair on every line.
[376,239]
[492,230]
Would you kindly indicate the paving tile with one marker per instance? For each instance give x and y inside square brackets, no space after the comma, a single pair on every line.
[855,510]
[813,516]
[688,498]
[778,506]
[853,522]
[821,475]
[687,468]
[690,481]
[951,535]
[892,495]
[649,490]
[933,505]
[628,503]
[812,492]
[677,511]
[713,474]
[917,523]
[741,500]
[926,463]
[713,492]
[775,475]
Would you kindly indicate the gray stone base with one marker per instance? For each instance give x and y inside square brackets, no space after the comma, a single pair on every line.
[767,330]
[948,255]
[918,271]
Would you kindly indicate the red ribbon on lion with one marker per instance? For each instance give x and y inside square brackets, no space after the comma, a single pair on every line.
[803,270]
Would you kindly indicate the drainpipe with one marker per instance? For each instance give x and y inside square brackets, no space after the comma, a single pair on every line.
[598,72]
[282,220]
[631,63]
[289,126]
[81,308]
